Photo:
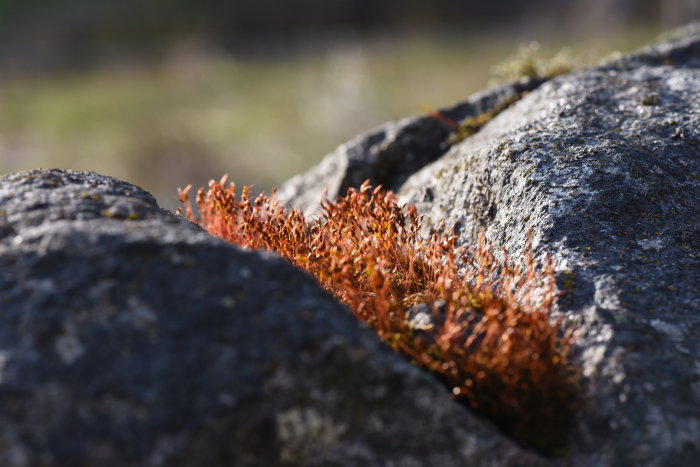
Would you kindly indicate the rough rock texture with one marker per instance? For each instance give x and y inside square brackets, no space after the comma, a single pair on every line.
[388,155]
[129,337]
[603,165]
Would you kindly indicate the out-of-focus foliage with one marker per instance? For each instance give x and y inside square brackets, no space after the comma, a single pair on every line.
[194,114]
[179,121]
[76,32]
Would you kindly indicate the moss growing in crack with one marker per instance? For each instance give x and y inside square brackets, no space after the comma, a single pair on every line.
[482,325]
[471,125]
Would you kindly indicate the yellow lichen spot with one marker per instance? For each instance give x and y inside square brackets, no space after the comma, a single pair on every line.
[569,279]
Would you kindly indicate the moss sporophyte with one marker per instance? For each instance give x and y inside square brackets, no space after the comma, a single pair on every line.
[482,325]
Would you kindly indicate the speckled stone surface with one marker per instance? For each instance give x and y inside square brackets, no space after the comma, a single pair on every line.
[603,165]
[129,337]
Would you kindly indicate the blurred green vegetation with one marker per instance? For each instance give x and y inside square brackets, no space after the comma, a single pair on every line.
[195,116]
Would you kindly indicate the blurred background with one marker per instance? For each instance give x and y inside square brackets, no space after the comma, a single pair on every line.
[165,93]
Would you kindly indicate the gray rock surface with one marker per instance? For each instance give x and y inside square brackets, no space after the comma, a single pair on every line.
[388,155]
[603,165]
[129,337]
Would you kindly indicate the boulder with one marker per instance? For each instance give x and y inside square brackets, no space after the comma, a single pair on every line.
[130,337]
[602,165]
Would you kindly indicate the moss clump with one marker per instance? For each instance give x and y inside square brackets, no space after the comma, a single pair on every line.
[528,63]
[483,325]
[471,125]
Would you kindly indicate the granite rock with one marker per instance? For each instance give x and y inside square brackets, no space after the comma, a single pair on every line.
[130,337]
[603,165]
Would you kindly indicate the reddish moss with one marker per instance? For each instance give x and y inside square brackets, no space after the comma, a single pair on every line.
[483,325]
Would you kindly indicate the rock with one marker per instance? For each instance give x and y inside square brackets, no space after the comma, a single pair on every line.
[129,337]
[388,155]
[603,165]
